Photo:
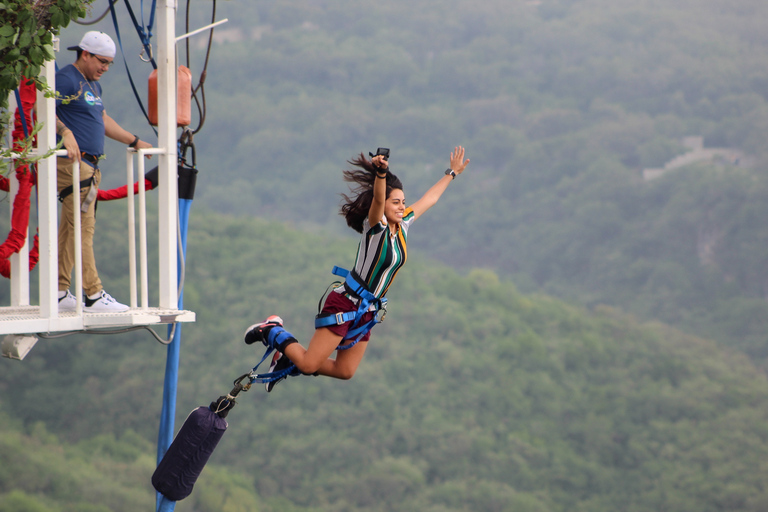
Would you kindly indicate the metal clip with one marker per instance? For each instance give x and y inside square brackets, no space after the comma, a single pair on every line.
[241,379]
[339,318]
[151,56]
[382,312]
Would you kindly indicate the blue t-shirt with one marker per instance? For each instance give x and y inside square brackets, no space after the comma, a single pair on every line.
[83,114]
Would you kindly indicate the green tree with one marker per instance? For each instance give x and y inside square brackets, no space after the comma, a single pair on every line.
[27,29]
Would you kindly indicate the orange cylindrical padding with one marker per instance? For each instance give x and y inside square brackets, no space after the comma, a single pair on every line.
[183,97]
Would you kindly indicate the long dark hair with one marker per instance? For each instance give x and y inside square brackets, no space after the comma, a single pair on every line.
[355,209]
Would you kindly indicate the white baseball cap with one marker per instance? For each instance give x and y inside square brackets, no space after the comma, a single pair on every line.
[96,43]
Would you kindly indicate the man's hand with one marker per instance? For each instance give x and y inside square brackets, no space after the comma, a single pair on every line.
[70,144]
[143,145]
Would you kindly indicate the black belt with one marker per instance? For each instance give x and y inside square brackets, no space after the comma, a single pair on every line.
[93,160]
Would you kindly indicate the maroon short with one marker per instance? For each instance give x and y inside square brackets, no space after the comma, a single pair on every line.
[339,303]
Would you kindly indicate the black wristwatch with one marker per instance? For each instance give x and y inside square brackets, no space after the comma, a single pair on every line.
[135,141]
[451,173]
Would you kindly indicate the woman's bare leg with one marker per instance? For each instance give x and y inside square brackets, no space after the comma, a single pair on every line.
[316,358]
[346,362]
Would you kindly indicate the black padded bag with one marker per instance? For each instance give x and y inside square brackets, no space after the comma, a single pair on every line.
[182,464]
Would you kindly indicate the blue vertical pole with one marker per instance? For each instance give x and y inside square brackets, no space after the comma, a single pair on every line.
[167,416]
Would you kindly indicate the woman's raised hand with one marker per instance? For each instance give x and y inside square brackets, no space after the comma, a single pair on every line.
[458,164]
[379,161]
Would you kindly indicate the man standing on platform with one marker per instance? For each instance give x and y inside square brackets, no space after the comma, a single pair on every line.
[81,123]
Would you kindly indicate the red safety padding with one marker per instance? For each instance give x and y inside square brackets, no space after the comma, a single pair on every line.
[121,192]
[34,257]
[27,178]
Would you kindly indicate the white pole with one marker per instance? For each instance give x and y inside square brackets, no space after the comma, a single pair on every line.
[131,228]
[46,188]
[201,29]
[78,237]
[19,271]
[167,181]
[143,233]
[19,261]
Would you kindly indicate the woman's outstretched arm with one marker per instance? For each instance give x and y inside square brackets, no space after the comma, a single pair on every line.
[376,211]
[430,198]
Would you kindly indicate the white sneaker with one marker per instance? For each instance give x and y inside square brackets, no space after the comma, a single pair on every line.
[67,302]
[104,303]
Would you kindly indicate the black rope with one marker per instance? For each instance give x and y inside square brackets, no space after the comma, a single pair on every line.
[200,101]
[187,141]
[111,3]
[128,71]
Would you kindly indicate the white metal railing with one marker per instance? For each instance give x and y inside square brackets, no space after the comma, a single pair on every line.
[143,283]
[21,317]
[137,283]
[78,233]
[20,321]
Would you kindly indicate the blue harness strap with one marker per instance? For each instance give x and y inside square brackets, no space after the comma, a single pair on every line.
[368,302]
[263,378]
[128,71]
[22,113]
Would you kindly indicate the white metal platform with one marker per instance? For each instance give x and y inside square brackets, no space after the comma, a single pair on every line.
[27,319]
[22,322]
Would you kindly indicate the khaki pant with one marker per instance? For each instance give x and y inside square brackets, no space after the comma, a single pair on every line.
[91,281]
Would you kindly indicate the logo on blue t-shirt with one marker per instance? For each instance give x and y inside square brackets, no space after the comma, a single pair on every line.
[90,98]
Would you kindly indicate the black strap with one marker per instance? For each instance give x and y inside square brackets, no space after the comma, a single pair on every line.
[187,182]
[323,297]
[91,159]
[68,190]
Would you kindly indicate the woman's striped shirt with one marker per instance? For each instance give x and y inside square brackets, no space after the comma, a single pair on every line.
[381,254]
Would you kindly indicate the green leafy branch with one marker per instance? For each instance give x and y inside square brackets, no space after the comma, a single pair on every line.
[27,30]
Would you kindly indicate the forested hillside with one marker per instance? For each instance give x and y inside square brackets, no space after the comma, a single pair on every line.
[472,397]
[561,105]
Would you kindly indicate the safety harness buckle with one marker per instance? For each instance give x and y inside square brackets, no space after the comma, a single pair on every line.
[339,318]
[381,312]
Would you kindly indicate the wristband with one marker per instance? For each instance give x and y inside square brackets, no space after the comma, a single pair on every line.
[135,141]
[382,176]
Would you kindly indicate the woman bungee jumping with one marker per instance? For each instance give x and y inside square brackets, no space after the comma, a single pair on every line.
[378,211]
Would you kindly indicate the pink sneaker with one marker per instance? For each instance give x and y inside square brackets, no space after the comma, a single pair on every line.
[258,332]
